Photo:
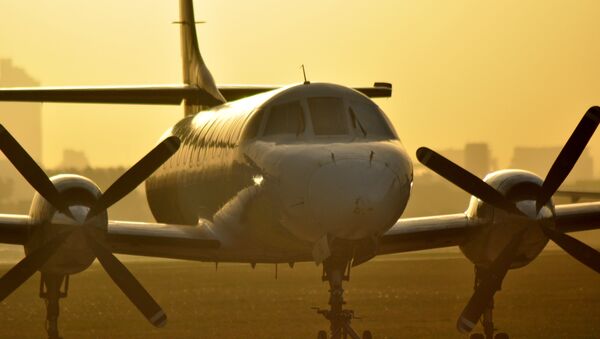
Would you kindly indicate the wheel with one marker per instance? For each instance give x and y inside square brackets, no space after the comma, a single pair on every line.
[476,336]
[367,335]
[501,335]
[322,335]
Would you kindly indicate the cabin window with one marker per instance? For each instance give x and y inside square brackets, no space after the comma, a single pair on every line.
[328,117]
[285,118]
[366,119]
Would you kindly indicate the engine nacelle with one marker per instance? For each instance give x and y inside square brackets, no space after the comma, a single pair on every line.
[74,255]
[485,243]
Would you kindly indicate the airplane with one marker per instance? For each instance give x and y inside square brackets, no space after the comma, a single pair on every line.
[310,172]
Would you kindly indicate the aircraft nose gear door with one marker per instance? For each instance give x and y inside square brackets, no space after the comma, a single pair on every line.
[336,269]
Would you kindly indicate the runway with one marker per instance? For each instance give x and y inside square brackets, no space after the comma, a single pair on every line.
[415,295]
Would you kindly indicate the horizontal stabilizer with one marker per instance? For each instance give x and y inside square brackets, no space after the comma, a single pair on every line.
[577,195]
[235,92]
[151,94]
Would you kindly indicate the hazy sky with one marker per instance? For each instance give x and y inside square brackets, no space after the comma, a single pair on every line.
[507,72]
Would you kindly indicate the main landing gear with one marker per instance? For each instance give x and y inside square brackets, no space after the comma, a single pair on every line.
[487,320]
[51,290]
[336,269]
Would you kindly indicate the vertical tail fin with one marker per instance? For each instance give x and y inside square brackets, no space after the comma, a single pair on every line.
[195,72]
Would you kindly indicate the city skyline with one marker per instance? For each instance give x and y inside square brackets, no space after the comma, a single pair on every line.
[24,119]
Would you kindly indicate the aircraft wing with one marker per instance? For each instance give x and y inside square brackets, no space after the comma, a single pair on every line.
[578,217]
[14,229]
[414,234]
[162,240]
[152,94]
[136,238]
[199,243]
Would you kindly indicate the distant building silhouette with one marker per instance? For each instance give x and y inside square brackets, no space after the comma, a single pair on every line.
[24,122]
[456,155]
[475,157]
[73,159]
[539,159]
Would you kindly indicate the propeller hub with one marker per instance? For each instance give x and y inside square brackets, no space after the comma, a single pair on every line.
[519,188]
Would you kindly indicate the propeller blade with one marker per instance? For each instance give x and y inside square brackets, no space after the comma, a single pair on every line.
[488,286]
[17,275]
[569,155]
[31,171]
[136,175]
[580,251]
[127,283]
[465,180]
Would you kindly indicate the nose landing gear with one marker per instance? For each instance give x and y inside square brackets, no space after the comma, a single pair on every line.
[336,269]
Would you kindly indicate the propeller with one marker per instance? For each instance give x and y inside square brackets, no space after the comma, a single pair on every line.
[465,180]
[569,155]
[487,287]
[17,275]
[490,284]
[120,188]
[31,171]
[580,251]
[136,293]
[135,175]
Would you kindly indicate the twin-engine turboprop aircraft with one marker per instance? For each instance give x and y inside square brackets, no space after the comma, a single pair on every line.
[307,172]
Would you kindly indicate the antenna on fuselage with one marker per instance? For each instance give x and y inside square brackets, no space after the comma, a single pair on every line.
[185,23]
[306,82]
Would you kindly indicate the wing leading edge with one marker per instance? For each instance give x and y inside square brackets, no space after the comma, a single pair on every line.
[163,240]
[199,243]
[414,234]
[14,229]
[137,238]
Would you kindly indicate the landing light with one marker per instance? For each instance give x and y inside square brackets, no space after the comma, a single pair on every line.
[258,179]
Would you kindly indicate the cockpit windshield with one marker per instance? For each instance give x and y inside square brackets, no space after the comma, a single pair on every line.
[287,118]
[303,116]
[328,116]
[366,119]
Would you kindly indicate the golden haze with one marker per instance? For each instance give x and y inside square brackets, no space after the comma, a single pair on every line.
[505,72]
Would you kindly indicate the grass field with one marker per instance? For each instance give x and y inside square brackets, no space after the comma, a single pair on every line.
[401,296]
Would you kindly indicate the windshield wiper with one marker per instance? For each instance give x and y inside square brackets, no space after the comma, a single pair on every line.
[355,121]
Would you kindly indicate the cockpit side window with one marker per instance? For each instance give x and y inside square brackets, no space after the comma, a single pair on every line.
[286,118]
[252,127]
[367,120]
[328,116]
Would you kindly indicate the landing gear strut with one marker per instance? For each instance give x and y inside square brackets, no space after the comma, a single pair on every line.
[487,320]
[51,291]
[336,269]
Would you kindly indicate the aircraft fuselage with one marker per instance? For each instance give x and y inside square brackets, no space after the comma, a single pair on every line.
[282,171]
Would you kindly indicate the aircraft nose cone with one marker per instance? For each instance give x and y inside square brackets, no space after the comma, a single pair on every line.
[352,199]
